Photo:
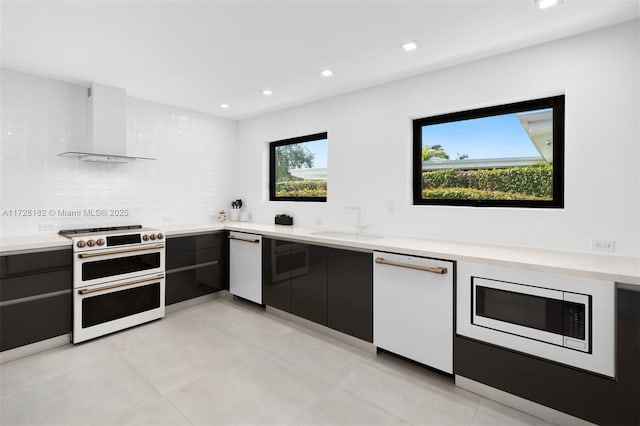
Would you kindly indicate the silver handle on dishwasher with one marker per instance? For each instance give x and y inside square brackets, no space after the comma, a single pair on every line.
[436,270]
[231,237]
[109,287]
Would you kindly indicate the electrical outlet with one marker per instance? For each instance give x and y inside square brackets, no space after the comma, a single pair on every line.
[45,227]
[390,206]
[603,245]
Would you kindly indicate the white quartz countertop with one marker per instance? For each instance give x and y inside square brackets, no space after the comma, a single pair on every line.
[598,266]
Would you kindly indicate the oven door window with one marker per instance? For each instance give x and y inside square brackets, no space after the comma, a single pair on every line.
[526,310]
[119,304]
[117,266]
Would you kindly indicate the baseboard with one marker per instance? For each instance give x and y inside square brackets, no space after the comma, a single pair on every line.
[345,338]
[34,348]
[548,414]
[192,302]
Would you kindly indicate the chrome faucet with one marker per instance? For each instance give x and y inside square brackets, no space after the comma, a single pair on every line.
[359,225]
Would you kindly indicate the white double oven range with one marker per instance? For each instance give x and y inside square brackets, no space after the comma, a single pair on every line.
[118,278]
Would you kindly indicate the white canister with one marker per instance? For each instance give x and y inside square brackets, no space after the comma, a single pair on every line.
[234,215]
[245,217]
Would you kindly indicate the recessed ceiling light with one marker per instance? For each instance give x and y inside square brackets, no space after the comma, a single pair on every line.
[267,92]
[326,73]
[224,106]
[545,4]
[410,45]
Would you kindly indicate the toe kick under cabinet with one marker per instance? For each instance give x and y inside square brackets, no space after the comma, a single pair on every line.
[413,308]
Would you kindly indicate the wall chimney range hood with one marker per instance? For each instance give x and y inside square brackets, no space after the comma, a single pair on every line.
[106,127]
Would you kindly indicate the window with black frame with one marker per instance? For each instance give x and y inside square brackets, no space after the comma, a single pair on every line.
[502,156]
[298,169]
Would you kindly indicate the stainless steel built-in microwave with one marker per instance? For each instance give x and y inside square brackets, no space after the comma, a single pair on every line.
[557,317]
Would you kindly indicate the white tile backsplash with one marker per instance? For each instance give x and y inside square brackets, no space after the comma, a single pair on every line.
[41,118]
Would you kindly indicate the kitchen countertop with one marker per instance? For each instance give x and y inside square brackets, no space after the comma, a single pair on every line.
[598,266]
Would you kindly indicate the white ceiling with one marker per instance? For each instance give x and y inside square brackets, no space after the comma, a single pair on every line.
[199,54]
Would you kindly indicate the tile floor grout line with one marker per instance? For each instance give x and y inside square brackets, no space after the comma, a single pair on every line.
[475,412]
[179,411]
[371,404]
[146,380]
[67,346]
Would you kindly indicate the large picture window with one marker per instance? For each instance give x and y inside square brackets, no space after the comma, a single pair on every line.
[502,156]
[298,169]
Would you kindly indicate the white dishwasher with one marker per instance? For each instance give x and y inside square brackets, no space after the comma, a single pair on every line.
[245,265]
[413,308]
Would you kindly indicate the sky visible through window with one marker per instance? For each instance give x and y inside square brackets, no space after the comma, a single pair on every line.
[499,136]
[319,150]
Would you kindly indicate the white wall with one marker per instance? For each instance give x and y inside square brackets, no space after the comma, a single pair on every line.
[370,145]
[190,181]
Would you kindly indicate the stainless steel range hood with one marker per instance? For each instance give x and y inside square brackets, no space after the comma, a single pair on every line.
[106,127]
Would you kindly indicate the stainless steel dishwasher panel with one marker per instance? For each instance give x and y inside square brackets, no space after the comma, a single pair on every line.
[413,308]
[245,265]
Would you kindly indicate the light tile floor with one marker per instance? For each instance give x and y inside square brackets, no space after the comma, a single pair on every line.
[228,362]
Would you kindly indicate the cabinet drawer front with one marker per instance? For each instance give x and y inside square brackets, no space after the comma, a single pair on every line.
[25,323]
[190,283]
[209,240]
[194,242]
[33,285]
[35,263]
[191,258]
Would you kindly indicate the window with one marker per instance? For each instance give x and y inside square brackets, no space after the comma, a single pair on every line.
[298,169]
[502,156]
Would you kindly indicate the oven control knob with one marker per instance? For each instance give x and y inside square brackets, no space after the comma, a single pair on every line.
[91,243]
[100,242]
[81,244]
[152,236]
[160,236]
[145,238]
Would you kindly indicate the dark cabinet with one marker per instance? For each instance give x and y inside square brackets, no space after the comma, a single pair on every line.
[195,266]
[35,297]
[328,286]
[294,278]
[309,282]
[350,293]
[628,356]
[276,273]
[589,396]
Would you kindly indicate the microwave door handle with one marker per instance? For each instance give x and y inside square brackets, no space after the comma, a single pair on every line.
[433,270]
[128,283]
[127,250]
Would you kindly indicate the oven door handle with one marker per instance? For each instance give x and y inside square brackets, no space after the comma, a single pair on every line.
[433,270]
[128,283]
[127,250]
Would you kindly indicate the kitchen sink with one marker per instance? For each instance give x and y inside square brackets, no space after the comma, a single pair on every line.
[346,235]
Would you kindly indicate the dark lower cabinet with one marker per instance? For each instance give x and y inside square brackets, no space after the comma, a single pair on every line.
[195,266]
[35,297]
[628,356]
[276,273]
[328,286]
[309,282]
[582,394]
[350,292]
